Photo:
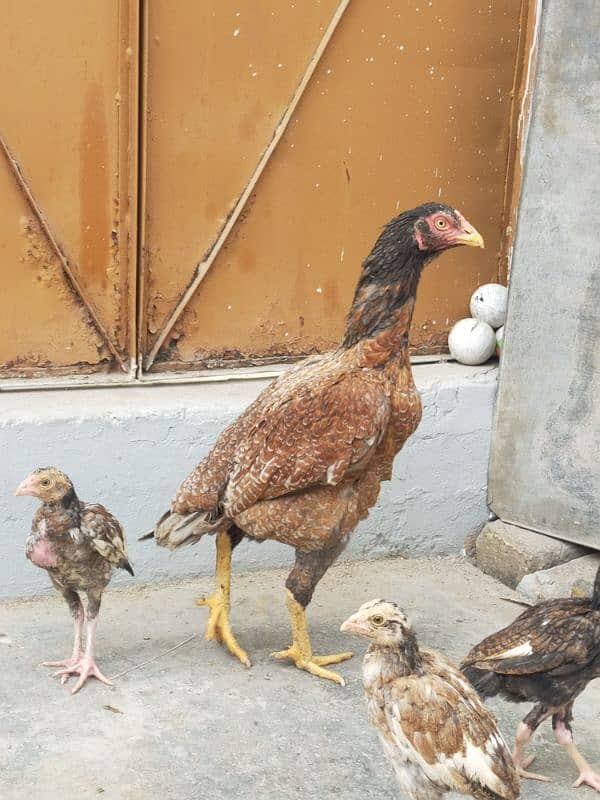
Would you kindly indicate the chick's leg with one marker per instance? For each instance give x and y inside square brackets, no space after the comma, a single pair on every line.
[218,626]
[308,570]
[86,667]
[76,609]
[561,723]
[525,731]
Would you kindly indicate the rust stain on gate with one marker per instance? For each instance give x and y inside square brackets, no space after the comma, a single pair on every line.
[408,102]
[67,205]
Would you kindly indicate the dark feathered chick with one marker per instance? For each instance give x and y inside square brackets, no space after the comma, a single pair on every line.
[304,463]
[78,544]
[547,656]
[437,734]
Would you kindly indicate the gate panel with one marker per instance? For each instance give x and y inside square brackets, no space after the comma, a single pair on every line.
[67,167]
[403,107]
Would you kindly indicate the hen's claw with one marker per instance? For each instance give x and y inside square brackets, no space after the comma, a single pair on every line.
[589,778]
[86,668]
[314,664]
[218,626]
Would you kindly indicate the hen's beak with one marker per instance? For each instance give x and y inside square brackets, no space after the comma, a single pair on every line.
[353,625]
[28,486]
[469,236]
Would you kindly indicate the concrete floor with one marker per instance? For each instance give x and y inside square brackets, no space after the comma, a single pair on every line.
[195,723]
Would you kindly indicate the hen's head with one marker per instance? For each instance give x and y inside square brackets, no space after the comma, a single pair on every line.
[382,621]
[438,227]
[411,240]
[49,484]
[433,227]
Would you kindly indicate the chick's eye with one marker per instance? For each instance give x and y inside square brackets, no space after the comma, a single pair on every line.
[377,619]
[441,223]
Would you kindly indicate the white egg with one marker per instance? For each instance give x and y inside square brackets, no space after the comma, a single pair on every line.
[472,341]
[488,303]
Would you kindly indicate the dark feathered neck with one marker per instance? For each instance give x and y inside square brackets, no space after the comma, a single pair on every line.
[68,503]
[70,500]
[399,660]
[387,286]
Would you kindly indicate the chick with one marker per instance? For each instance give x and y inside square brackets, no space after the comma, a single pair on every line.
[547,656]
[77,544]
[437,734]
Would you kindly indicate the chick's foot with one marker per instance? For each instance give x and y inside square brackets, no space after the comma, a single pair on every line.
[86,668]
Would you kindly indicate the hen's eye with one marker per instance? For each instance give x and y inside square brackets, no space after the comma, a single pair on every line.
[45,482]
[441,223]
[377,619]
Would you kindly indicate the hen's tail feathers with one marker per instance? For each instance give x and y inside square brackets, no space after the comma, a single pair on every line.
[486,682]
[173,530]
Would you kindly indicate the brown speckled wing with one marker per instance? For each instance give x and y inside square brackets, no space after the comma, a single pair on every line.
[310,427]
[559,636]
[104,533]
[442,717]
[313,437]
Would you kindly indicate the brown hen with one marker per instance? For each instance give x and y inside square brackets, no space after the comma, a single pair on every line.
[437,734]
[303,464]
[78,544]
[547,656]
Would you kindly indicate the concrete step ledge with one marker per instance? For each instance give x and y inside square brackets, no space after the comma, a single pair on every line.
[573,579]
[510,553]
[130,447]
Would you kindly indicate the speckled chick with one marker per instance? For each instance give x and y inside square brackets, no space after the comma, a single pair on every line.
[78,544]
[435,731]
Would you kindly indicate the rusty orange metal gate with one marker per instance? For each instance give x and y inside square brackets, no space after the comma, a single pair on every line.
[271,142]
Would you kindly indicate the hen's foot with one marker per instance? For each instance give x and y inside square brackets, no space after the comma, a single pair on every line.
[314,664]
[86,668]
[532,776]
[301,652]
[589,778]
[218,626]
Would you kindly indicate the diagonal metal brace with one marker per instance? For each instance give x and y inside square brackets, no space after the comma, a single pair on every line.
[203,266]
[59,252]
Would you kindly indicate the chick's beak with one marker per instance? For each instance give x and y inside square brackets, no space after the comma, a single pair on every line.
[469,236]
[353,625]
[28,486]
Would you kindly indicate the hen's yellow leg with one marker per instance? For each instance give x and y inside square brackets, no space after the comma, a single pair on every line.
[301,650]
[218,626]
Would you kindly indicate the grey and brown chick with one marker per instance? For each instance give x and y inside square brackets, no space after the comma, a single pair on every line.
[78,544]
[547,656]
[435,731]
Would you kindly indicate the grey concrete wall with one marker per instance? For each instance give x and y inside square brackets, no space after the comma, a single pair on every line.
[130,448]
[547,434]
